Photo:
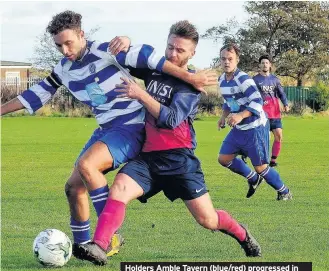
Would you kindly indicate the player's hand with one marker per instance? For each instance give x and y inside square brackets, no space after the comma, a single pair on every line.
[119,44]
[221,123]
[286,108]
[129,89]
[204,78]
[234,119]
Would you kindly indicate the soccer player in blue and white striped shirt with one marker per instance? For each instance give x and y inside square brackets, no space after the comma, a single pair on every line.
[90,73]
[249,135]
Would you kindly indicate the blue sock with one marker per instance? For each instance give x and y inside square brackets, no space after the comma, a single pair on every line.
[80,231]
[273,179]
[99,197]
[239,167]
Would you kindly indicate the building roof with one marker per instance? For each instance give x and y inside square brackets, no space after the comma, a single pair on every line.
[14,63]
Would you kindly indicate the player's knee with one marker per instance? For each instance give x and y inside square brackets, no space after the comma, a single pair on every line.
[118,189]
[222,161]
[278,138]
[84,167]
[73,191]
[208,222]
[69,191]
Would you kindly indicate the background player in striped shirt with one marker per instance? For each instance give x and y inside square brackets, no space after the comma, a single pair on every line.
[167,162]
[243,111]
[272,92]
[90,73]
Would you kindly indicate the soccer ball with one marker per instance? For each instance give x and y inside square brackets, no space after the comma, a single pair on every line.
[52,248]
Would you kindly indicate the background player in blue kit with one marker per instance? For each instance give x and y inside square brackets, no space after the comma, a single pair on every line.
[272,92]
[242,109]
[167,162]
[90,73]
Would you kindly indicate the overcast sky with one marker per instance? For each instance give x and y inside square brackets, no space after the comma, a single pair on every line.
[144,22]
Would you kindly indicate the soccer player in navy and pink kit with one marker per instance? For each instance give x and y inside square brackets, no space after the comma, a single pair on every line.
[167,162]
[272,92]
[243,111]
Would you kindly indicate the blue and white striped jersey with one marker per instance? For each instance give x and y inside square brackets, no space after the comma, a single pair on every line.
[241,93]
[92,80]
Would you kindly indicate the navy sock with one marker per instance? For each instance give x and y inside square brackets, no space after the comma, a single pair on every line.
[80,231]
[99,197]
[273,179]
[239,167]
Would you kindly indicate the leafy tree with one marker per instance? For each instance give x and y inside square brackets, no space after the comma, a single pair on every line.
[294,33]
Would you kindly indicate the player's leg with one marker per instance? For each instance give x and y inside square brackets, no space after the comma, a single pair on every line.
[276,129]
[219,220]
[105,151]
[77,196]
[191,188]
[111,148]
[232,145]
[276,148]
[259,156]
[123,190]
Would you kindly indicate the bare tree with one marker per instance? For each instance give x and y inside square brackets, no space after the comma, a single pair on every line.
[46,55]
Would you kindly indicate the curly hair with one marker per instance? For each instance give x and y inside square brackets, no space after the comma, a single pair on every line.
[185,29]
[64,20]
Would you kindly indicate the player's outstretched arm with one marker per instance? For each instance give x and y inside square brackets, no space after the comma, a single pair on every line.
[119,44]
[11,106]
[199,80]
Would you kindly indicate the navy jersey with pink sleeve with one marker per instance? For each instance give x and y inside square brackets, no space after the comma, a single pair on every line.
[179,103]
[271,91]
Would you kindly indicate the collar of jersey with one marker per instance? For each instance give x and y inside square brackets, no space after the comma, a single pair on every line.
[86,52]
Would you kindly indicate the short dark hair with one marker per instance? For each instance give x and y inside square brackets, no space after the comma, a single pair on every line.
[231,47]
[186,30]
[64,20]
[265,57]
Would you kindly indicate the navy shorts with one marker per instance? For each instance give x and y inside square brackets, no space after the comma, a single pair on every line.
[275,124]
[253,143]
[178,175]
[124,142]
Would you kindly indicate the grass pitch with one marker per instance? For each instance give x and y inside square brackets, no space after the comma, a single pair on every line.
[38,155]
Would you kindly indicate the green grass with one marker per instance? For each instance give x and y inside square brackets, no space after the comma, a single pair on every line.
[38,155]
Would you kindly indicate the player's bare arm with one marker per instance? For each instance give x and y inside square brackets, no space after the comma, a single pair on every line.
[132,90]
[221,121]
[11,106]
[235,118]
[198,80]
[119,44]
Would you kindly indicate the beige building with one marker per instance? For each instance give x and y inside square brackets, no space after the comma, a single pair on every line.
[15,75]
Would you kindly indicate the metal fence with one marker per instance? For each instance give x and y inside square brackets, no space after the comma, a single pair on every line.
[17,85]
[299,96]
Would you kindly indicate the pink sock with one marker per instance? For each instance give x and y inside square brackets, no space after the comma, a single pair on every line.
[108,222]
[276,148]
[230,225]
